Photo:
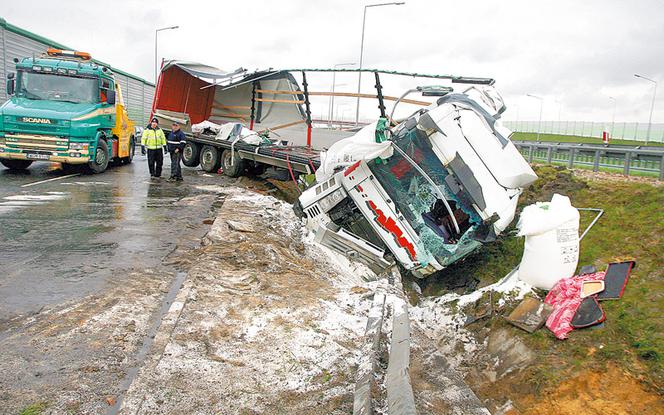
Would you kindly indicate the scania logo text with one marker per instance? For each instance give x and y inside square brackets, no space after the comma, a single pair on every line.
[36,120]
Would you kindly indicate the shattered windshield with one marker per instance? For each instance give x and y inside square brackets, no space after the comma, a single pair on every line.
[419,202]
[54,87]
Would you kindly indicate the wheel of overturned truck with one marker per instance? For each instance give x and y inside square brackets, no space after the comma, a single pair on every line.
[191,154]
[209,159]
[100,161]
[16,164]
[232,165]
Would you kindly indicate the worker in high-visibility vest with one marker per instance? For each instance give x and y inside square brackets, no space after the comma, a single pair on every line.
[154,140]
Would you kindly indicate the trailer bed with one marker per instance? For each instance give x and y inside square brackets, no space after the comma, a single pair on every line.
[300,159]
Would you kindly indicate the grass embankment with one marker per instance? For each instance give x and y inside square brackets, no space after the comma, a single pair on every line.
[632,228]
[577,139]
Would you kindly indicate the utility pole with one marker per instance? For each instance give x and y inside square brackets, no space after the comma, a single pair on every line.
[156,32]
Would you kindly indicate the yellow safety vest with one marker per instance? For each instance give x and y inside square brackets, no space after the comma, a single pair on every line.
[153,139]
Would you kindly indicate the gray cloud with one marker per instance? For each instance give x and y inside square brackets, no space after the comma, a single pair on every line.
[576,52]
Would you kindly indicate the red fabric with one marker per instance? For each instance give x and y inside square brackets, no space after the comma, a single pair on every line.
[565,297]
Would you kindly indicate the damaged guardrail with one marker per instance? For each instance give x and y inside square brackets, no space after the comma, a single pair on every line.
[627,160]
[399,391]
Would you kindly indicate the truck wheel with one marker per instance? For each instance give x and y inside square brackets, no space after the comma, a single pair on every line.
[132,151]
[209,159]
[191,154]
[16,164]
[232,166]
[100,162]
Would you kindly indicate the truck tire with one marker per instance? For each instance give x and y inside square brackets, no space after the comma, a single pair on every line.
[191,154]
[100,161]
[231,166]
[209,159]
[16,164]
[132,151]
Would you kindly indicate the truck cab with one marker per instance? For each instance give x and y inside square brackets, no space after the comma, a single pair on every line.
[444,182]
[65,108]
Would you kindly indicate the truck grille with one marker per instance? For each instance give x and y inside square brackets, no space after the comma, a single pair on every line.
[36,142]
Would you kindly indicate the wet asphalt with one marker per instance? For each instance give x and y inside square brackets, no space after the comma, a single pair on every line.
[63,237]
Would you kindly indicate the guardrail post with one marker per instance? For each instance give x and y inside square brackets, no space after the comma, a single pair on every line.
[570,163]
[661,169]
[530,154]
[628,158]
[596,164]
[549,154]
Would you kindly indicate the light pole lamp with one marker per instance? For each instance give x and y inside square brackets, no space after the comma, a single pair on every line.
[334,82]
[156,32]
[539,123]
[359,78]
[613,117]
[652,106]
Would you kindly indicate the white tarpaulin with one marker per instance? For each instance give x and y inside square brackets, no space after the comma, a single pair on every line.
[361,146]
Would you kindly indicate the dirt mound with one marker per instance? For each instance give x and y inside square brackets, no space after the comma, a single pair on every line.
[612,392]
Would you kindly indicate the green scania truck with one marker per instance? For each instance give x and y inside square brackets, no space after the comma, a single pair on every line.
[65,108]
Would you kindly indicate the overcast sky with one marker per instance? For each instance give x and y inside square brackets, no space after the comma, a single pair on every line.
[576,52]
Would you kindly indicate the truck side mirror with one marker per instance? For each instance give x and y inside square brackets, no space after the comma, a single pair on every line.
[110,97]
[11,83]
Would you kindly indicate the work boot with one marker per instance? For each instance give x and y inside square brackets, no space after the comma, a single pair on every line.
[172,179]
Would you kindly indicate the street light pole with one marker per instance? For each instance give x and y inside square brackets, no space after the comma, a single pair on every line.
[359,78]
[334,82]
[539,123]
[652,106]
[156,32]
[613,117]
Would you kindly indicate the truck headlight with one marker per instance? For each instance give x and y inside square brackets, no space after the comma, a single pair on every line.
[78,146]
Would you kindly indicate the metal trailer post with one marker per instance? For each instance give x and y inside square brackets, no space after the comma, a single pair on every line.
[253,104]
[379,94]
[307,107]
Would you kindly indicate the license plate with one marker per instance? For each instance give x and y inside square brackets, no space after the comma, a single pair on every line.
[34,156]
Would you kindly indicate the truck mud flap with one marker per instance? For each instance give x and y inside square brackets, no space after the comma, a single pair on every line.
[353,247]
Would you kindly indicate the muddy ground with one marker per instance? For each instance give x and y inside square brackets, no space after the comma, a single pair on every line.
[246,315]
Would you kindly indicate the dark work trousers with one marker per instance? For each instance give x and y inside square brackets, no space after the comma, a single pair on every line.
[155,161]
[176,169]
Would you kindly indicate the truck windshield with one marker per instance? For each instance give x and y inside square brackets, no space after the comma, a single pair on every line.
[420,203]
[53,87]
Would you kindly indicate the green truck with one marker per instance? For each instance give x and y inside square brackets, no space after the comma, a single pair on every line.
[65,108]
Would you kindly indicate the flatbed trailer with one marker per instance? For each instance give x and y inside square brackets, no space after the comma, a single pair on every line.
[253,158]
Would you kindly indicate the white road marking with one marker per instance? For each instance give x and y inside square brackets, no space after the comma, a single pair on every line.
[51,180]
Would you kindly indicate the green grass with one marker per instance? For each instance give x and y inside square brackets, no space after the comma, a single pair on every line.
[34,409]
[577,139]
[632,228]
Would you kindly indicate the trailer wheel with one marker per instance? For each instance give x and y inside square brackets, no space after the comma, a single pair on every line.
[232,166]
[16,164]
[209,159]
[100,161]
[191,154]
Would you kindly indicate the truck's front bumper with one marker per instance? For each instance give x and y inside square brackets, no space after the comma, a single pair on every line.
[69,157]
[41,148]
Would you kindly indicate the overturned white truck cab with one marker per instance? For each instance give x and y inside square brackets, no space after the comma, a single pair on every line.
[427,192]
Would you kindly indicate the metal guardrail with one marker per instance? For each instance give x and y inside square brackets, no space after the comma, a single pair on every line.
[623,158]
[400,398]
